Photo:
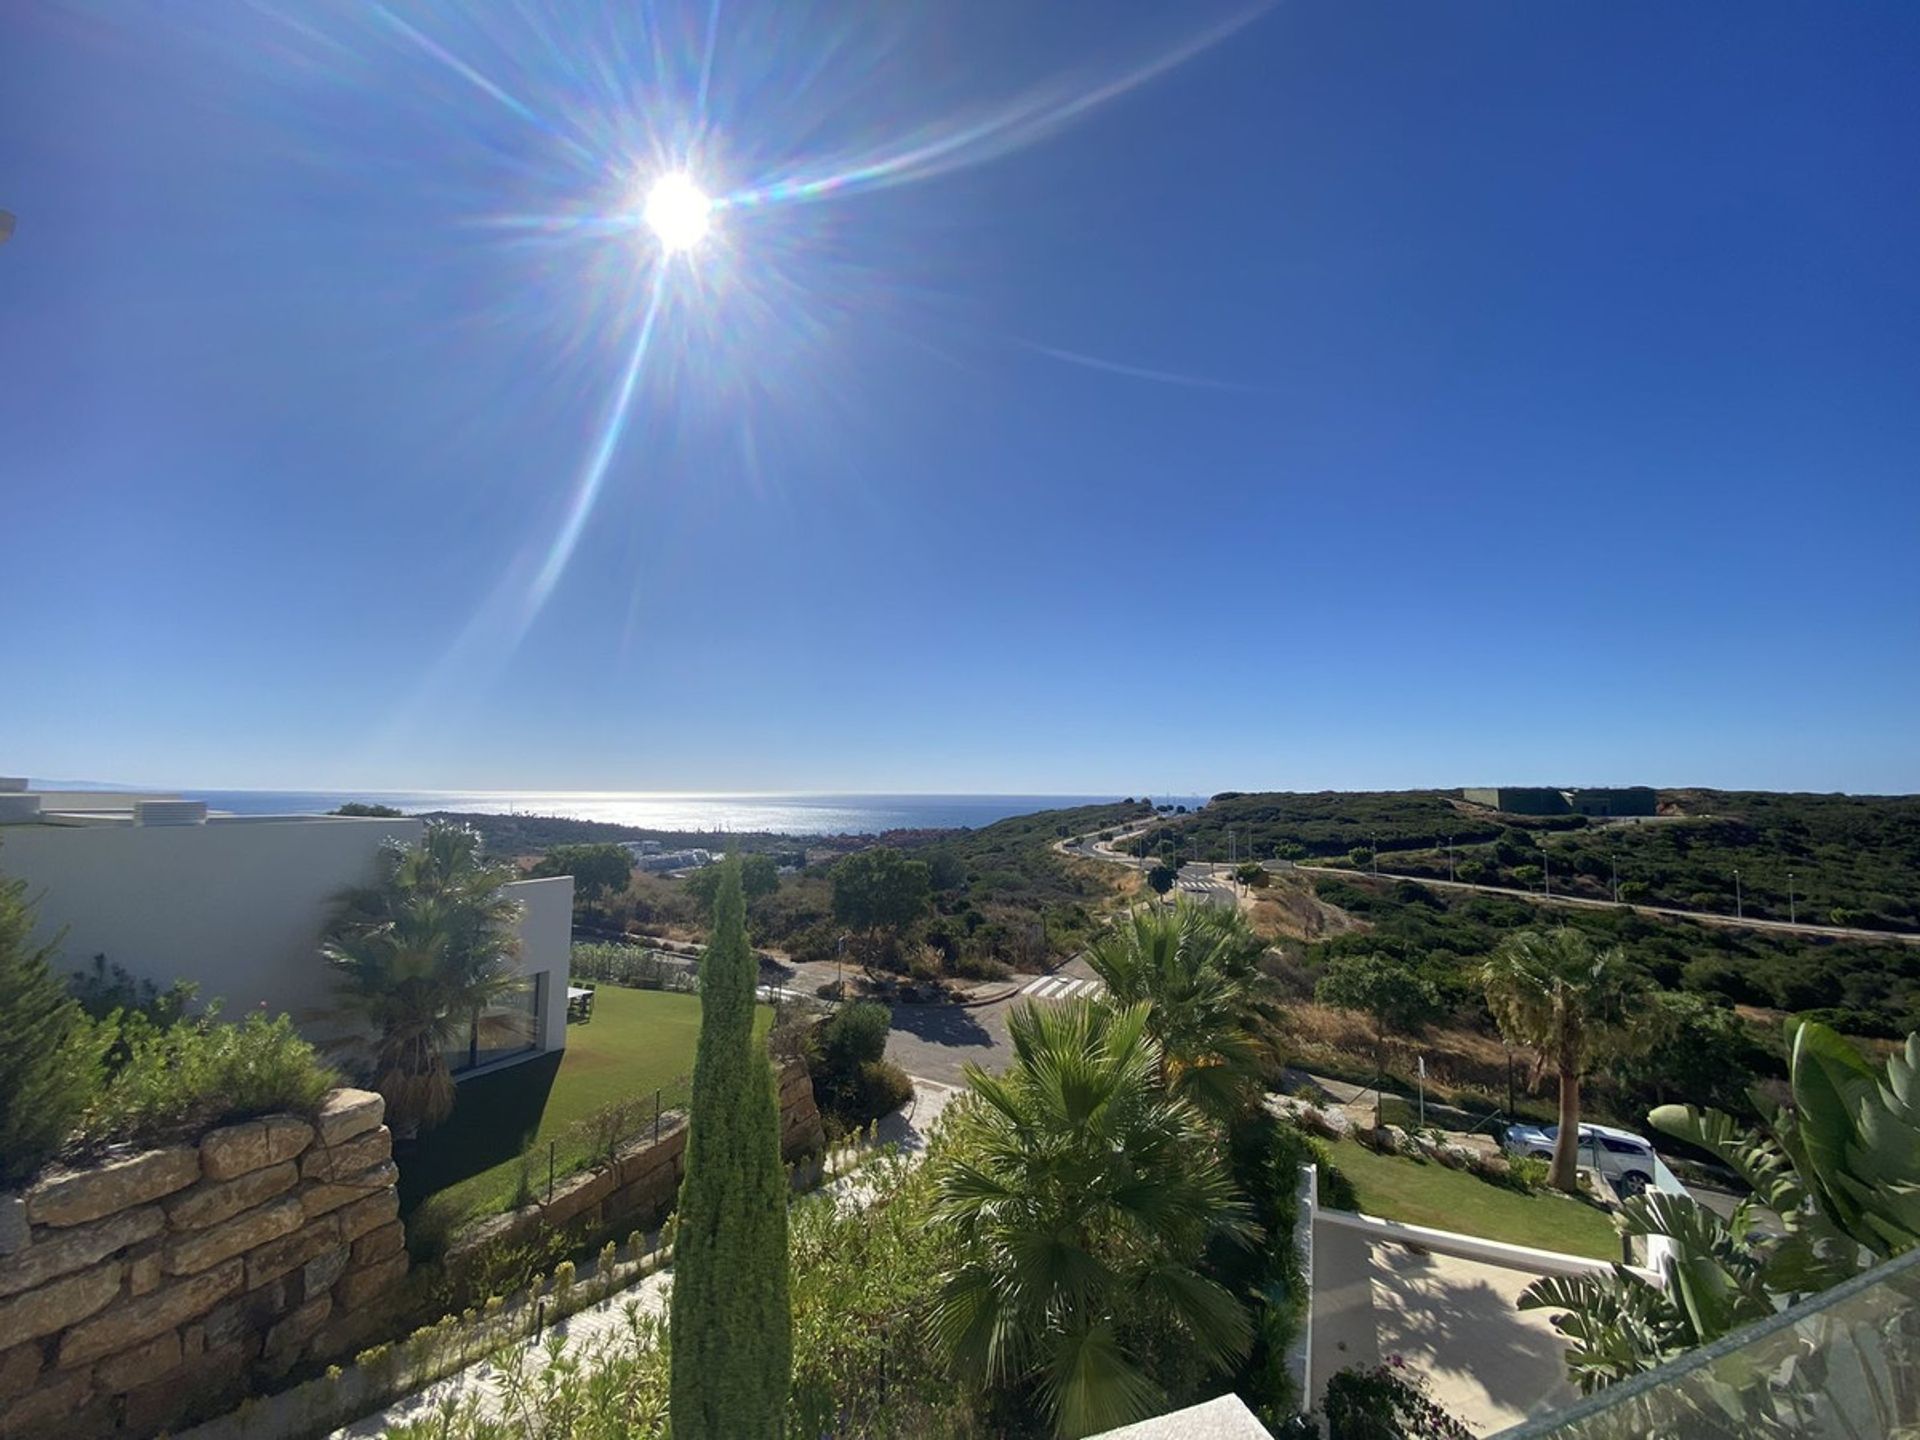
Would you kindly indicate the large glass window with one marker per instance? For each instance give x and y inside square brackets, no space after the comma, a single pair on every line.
[508,1027]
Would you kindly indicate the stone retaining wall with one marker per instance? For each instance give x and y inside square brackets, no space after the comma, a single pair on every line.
[156,1286]
[642,1183]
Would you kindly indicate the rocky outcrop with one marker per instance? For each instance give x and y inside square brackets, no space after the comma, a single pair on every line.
[139,1292]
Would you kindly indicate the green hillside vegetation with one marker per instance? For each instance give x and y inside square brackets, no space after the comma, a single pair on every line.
[1331,822]
[528,834]
[1866,987]
[1849,860]
[1002,896]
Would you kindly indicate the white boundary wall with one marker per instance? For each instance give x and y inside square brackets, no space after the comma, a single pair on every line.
[1300,1353]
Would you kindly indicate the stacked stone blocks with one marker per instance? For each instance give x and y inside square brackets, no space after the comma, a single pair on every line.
[156,1286]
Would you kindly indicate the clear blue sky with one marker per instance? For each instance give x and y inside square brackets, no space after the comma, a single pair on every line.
[1077,397]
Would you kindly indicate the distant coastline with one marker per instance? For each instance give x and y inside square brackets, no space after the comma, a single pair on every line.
[767,813]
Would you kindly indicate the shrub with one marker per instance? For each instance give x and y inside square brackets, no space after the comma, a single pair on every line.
[971,965]
[1386,1402]
[201,1072]
[600,1133]
[108,987]
[631,966]
[853,1034]
[852,1080]
[49,1053]
[1527,1173]
[879,1086]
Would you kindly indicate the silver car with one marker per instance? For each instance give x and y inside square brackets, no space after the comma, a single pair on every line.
[1626,1159]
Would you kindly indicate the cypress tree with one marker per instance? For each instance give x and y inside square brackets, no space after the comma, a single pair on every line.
[732,1328]
[49,1054]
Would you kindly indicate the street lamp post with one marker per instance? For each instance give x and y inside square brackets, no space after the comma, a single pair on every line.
[1739,910]
[1374,851]
[1792,918]
[1449,859]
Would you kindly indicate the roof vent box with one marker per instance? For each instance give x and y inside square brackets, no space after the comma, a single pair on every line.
[18,809]
[170,812]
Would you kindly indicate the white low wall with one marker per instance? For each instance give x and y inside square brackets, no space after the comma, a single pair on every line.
[546,947]
[1473,1247]
[1300,1353]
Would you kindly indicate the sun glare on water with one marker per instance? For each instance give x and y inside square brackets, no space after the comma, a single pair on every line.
[678,212]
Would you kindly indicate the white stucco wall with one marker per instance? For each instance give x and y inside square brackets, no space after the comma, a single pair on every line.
[237,905]
[546,946]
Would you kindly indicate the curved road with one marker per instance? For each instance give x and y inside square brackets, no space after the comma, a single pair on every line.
[1699,917]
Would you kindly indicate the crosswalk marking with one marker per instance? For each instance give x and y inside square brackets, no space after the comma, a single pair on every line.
[1060,987]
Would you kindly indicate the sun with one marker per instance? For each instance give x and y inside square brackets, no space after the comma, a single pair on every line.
[678,212]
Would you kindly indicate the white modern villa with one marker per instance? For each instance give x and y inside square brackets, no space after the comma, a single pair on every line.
[169,891]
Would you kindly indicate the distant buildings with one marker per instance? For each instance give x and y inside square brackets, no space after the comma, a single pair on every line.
[1522,800]
[236,903]
[648,856]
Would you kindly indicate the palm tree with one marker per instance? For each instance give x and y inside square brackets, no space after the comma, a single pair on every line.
[1550,991]
[419,956]
[1198,967]
[1840,1166]
[1081,1195]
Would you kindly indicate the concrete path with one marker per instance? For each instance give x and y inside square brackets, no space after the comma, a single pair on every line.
[1452,1319]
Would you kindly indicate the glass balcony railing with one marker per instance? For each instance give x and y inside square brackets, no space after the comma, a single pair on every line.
[1843,1365]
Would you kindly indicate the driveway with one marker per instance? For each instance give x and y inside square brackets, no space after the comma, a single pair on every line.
[937,1042]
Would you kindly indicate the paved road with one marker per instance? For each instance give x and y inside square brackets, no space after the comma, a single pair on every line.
[938,1042]
[1699,917]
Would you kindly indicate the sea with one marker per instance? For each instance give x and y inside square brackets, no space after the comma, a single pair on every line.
[825,814]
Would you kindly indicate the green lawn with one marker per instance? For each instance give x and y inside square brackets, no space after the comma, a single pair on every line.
[1422,1192]
[638,1041]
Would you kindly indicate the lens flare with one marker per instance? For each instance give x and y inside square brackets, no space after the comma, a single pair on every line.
[678,212]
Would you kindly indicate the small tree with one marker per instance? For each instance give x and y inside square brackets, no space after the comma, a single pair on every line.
[49,1053]
[597,870]
[1550,991]
[1389,992]
[880,893]
[759,878]
[1161,878]
[852,1078]
[732,1324]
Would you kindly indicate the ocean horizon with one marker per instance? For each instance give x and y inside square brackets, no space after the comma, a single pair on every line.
[712,812]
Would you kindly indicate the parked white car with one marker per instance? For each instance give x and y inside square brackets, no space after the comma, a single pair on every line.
[1626,1159]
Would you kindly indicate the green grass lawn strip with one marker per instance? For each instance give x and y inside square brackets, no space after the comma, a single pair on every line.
[638,1041]
[1422,1192]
